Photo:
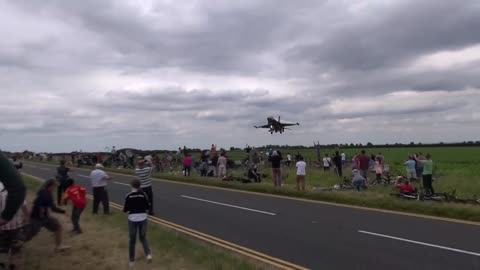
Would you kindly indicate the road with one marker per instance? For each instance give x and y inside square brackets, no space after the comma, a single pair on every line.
[313,235]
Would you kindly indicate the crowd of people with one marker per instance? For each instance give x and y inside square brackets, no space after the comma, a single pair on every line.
[19,224]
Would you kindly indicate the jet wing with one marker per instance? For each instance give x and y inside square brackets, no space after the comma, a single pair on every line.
[287,125]
[264,126]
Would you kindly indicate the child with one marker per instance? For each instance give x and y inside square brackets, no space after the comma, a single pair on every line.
[301,172]
[77,195]
[404,185]
[378,170]
[358,181]
[137,206]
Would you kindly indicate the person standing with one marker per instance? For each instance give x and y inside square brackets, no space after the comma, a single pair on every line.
[99,180]
[276,159]
[222,166]
[337,161]
[289,159]
[76,194]
[213,149]
[144,174]
[419,164]
[301,172]
[326,163]
[344,158]
[363,164]
[62,176]
[380,158]
[427,174]
[411,172]
[187,165]
[378,171]
[137,205]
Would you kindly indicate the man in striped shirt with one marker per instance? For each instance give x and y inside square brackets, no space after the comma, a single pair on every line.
[144,174]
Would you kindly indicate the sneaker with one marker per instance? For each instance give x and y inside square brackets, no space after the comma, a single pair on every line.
[131,264]
[149,258]
[62,248]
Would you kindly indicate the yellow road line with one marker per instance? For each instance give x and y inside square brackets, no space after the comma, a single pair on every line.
[310,201]
[276,262]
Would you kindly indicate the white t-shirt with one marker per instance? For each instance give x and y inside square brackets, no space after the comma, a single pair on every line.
[289,158]
[98,178]
[343,156]
[301,167]
[326,162]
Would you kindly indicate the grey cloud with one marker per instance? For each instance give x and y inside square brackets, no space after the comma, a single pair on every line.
[394,36]
[228,42]
[93,70]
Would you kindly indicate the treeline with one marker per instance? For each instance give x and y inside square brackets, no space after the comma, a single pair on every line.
[371,145]
[267,147]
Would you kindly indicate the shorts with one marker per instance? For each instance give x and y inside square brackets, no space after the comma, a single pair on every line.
[411,174]
[36,225]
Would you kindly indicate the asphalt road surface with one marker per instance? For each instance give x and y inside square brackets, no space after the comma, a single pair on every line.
[313,235]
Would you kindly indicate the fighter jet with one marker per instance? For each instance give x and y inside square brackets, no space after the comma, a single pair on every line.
[276,126]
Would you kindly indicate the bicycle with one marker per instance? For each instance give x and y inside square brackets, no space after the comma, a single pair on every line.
[344,185]
[452,197]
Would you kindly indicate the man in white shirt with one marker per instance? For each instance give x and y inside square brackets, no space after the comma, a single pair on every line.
[301,172]
[326,163]
[289,159]
[222,166]
[99,180]
[344,158]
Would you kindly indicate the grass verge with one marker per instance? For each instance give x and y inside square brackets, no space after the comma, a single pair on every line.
[372,199]
[104,245]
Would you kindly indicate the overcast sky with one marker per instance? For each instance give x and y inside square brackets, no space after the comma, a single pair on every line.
[162,74]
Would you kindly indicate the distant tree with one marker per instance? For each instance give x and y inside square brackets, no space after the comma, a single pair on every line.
[412,143]
[369,144]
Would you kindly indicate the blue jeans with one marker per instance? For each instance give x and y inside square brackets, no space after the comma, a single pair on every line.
[141,227]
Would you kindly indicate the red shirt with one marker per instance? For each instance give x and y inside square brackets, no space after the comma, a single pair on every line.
[77,195]
[187,161]
[404,188]
[364,161]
